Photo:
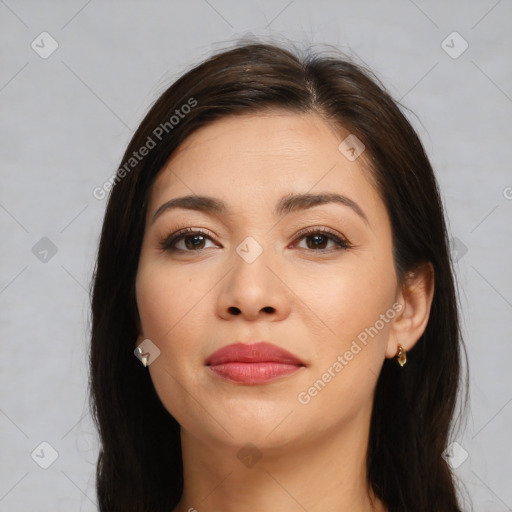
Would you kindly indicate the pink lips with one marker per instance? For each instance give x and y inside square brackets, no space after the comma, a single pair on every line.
[255,363]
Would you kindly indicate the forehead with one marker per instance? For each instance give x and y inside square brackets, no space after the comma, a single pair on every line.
[255,159]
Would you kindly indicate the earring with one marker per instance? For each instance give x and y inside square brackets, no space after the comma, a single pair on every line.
[144,357]
[401,356]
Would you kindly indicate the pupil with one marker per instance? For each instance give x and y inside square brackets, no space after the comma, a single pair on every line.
[317,238]
[195,237]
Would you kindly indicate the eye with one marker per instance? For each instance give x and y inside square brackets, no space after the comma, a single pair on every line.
[319,237]
[194,241]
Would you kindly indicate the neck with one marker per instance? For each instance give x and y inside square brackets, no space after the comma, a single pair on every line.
[324,474]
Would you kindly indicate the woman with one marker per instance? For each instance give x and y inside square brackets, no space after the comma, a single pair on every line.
[274,252]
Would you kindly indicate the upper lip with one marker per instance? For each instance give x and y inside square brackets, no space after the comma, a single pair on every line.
[257,352]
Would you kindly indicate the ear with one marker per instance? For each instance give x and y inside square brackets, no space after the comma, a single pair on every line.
[416,297]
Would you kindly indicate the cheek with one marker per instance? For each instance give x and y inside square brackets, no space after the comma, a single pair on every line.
[167,301]
[165,318]
[164,299]
[350,302]
[347,299]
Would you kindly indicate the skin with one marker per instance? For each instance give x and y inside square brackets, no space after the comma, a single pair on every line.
[311,302]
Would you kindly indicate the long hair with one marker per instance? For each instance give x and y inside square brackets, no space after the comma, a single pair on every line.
[140,462]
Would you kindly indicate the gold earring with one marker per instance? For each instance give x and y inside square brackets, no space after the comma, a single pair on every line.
[144,357]
[401,356]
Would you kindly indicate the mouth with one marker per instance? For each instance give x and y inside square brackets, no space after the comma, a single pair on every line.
[254,363]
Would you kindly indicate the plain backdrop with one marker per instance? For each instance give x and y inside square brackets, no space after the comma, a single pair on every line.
[67,115]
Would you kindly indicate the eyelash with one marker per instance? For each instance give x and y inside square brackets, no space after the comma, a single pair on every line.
[169,242]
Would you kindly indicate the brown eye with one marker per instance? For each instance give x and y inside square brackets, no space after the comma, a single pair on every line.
[193,241]
[317,239]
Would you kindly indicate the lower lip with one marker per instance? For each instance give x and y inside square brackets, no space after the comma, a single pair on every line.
[253,373]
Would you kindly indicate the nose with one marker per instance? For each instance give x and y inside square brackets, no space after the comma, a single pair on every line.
[254,290]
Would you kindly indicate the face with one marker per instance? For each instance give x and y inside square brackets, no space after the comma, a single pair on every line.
[315,278]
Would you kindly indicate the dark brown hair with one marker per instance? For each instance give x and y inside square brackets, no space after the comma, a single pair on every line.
[139,464]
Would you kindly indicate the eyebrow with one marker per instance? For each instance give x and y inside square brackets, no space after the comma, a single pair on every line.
[287,204]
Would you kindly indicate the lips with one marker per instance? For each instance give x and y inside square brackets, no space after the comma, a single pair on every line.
[254,363]
[260,352]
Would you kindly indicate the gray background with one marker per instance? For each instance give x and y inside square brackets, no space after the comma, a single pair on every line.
[66,119]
